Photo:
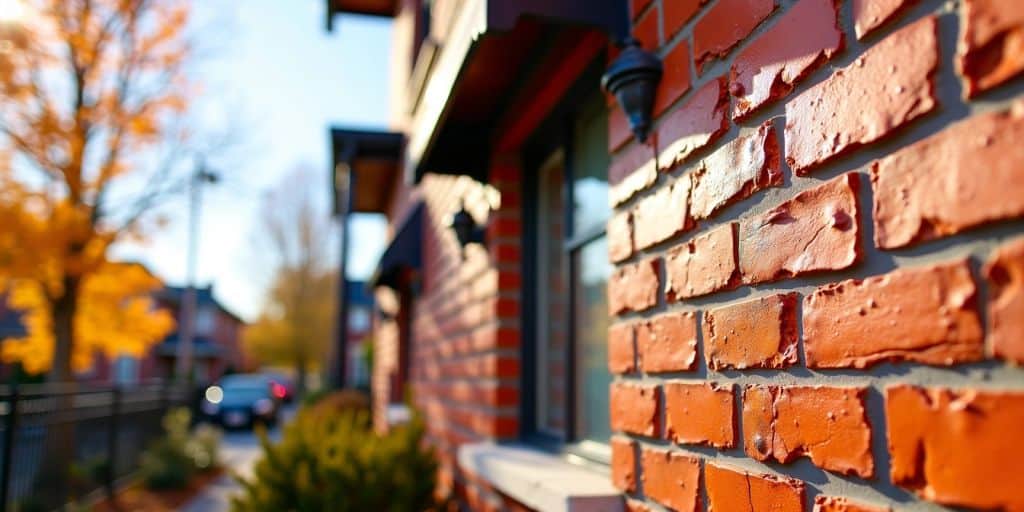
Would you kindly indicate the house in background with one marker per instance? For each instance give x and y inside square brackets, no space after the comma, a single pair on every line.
[360,318]
[216,345]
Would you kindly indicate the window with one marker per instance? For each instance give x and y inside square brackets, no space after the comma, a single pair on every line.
[126,370]
[205,321]
[358,319]
[570,269]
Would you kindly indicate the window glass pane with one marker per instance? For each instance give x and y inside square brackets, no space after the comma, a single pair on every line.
[552,301]
[591,317]
[590,166]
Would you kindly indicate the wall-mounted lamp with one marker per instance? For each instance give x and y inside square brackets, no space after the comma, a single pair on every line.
[633,79]
[465,227]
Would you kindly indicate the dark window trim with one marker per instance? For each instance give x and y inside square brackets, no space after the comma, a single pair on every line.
[555,133]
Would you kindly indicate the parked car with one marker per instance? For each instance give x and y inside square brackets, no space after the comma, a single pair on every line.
[282,386]
[241,401]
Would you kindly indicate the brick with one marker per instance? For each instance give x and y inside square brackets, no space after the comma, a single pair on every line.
[631,171]
[620,237]
[888,86]
[634,408]
[677,13]
[969,174]
[668,342]
[868,15]
[991,46]
[727,23]
[620,348]
[619,131]
[1005,275]
[957,447]
[736,490]
[817,230]
[662,215]
[623,464]
[760,333]
[735,171]
[637,6]
[806,37]
[824,503]
[672,479]
[706,264]
[675,78]
[701,413]
[634,287]
[699,122]
[926,315]
[827,424]
[646,29]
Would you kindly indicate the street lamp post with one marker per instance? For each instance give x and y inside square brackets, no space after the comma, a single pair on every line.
[187,312]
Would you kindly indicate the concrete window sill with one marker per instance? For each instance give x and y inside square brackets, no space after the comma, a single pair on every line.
[540,480]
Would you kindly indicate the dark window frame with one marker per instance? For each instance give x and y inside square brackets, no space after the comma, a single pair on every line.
[554,134]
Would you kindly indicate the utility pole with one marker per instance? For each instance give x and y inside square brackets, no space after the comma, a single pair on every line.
[187,311]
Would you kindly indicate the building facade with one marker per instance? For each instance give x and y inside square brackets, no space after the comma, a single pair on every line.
[803,291]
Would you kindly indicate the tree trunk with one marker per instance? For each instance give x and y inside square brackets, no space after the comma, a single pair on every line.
[59,452]
[300,378]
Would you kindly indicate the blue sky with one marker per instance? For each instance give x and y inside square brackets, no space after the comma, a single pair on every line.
[272,64]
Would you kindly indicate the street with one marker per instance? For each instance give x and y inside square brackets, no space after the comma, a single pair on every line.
[239,451]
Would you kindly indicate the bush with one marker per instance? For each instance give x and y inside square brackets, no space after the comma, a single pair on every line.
[171,461]
[330,460]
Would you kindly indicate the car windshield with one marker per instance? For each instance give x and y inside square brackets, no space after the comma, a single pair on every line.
[245,393]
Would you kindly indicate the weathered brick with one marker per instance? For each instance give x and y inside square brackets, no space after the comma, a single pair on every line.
[699,122]
[927,315]
[701,413]
[827,424]
[957,447]
[991,47]
[646,29]
[675,78]
[735,171]
[871,14]
[631,171]
[620,237]
[663,214]
[620,348]
[736,490]
[706,264]
[677,13]
[634,408]
[1005,275]
[888,86]
[817,230]
[624,464]
[727,23]
[634,287]
[672,479]
[824,503]
[760,333]
[619,131]
[969,174]
[667,342]
[637,6]
[807,36]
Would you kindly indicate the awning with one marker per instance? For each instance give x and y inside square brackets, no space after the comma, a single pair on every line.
[366,162]
[403,252]
[491,46]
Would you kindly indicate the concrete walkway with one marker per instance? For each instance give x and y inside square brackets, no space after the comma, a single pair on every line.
[239,452]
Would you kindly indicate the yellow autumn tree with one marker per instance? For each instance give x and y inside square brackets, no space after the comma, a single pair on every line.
[92,93]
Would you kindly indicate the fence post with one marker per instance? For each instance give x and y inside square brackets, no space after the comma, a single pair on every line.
[9,430]
[115,419]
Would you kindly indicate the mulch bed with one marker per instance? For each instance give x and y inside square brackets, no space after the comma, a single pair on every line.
[137,497]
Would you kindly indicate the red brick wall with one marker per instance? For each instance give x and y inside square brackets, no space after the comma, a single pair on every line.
[820,285]
[465,330]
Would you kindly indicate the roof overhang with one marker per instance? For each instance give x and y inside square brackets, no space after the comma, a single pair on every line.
[492,45]
[366,165]
[384,8]
[403,252]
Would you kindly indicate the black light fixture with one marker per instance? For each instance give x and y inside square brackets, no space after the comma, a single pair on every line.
[465,227]
[633,79]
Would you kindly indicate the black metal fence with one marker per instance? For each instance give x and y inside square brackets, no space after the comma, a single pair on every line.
[63,442]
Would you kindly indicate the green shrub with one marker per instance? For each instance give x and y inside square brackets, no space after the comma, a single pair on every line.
[170,461]
[334,462]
